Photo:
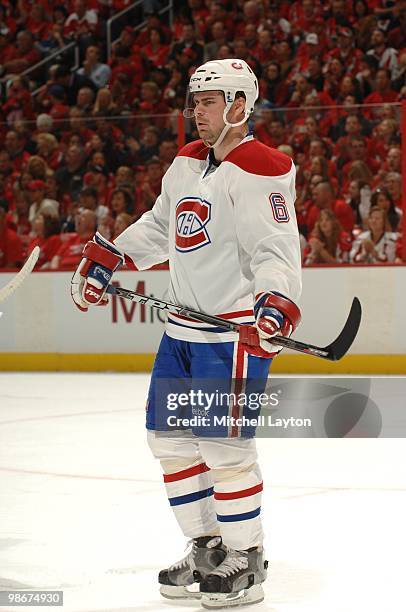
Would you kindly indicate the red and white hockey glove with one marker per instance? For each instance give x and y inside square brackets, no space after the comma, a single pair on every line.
[275,315]
[101,259]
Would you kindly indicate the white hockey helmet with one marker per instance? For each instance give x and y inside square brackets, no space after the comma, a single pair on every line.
[229,76]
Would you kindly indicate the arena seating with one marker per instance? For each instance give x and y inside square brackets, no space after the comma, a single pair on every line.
[86,148]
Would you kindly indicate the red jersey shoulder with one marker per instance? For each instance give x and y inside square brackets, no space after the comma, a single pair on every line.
[257,158]
[195,149]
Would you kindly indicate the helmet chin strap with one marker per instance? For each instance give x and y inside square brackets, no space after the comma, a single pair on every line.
[226,127]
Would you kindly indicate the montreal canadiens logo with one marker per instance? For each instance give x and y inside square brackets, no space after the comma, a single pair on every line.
[237,65]
[192,217]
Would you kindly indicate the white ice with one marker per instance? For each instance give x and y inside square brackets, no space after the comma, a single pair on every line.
[83,507]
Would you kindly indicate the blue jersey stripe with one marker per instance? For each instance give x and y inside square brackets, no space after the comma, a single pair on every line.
[190,497]
[231,518]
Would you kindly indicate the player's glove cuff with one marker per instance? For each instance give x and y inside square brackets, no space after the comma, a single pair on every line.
[101,259]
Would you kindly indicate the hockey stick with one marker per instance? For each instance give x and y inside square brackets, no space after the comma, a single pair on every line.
[332,352]
[21,275]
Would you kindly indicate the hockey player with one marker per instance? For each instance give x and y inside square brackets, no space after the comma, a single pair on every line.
[225,219]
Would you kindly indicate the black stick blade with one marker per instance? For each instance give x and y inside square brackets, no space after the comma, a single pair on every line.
[343,342]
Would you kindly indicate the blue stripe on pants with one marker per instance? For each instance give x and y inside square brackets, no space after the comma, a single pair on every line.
[230,518]
[190,497]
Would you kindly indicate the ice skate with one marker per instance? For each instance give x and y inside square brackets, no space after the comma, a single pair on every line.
[181,580]
[237,581]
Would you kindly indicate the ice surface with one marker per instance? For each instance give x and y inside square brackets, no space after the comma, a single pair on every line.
[83,508]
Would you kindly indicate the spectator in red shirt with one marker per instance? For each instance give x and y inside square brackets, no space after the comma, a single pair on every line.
[338,17]
[153,21]
[328,244]
[346,52]
[383,93]
[11,247]
[155,52]
[219,13]
[323,197]
[353,128]
[250,16]
[19,103]
[70,252]
[302,16]
[263,51]
[77,127]
[151,104]
[37,22]
[58,109]
[357,149]
[46,229]
[23,54]
[271,133]
[307,50]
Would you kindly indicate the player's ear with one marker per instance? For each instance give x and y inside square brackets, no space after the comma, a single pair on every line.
[237,110]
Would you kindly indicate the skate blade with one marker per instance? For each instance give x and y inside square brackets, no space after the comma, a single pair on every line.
[180,592]
[218,601]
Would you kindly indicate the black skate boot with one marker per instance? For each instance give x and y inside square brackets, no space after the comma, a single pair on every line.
[205,555]
[237,581]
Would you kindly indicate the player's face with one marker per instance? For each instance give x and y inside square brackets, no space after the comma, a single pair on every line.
[208,112]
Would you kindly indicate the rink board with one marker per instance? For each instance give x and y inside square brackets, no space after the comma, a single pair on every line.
[41,329]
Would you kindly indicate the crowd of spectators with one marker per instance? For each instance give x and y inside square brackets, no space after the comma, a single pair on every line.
[86,149]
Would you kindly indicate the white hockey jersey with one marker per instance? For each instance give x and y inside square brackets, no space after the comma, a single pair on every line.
[385,248]
[229,231]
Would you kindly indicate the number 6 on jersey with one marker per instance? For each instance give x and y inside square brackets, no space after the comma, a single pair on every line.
[279,208]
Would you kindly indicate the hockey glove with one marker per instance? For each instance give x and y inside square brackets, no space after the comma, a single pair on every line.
[100,260]
[275,315]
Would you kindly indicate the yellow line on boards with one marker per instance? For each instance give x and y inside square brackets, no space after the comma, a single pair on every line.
[119,362]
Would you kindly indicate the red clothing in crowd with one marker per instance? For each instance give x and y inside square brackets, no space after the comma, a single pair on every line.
[70,251]
[378,98]
[30,58]
[49,247]
[342,211]
[39,29]
[157,58]
[11,248]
